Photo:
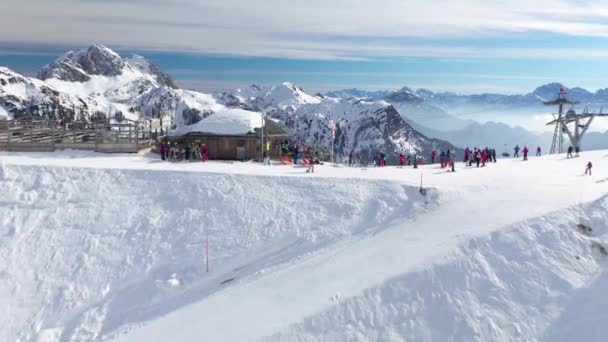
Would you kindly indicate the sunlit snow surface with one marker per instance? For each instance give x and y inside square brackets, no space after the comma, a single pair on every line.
[102,247]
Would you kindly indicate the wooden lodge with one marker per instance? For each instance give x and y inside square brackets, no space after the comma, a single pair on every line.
[237,146]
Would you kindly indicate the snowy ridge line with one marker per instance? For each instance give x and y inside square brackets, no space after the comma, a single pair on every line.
[150,163]
[529,282]
[147,161]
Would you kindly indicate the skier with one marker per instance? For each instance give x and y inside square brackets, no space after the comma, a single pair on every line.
[414,160]
[442,159]
[588,169]
[433,156]
[266,158]
[569,155]
[538,151]
[451,159]
[187,153]
[351,157]
[516,151]
[525,151]
[173,152]
[197,153]
[466,154]
[296,154]
[311,166]
[484,158]
[477,156]
[162,150]
[204,152]
[382,161]
[494,155]
[401,159]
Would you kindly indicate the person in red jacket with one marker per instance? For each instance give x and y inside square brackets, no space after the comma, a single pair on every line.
[433,156]
[162,150]
[401,160]
[484,158]
[204,152]
[525,151]
[538,151]
[588,169]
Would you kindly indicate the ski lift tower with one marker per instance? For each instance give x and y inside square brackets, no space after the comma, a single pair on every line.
[563,120]
[557,145]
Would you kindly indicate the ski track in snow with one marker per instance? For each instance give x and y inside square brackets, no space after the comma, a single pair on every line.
[96,245]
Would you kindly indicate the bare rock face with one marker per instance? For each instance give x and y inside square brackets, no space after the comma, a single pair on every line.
[77,66]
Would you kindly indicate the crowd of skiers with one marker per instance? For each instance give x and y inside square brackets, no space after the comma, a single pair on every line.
[479,157]
[172,151]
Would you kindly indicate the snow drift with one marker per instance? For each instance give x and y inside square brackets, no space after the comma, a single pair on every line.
[84,252]
[537,280]
[112,248]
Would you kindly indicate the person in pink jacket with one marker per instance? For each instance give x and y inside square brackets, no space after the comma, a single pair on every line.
[525,151]
[588,169]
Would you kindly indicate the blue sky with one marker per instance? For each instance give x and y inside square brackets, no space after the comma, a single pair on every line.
[470,47]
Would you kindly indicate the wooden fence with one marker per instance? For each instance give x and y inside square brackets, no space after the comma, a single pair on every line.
[44,136]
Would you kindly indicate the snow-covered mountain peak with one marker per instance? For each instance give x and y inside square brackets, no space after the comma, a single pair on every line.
[144,66]
[95,82]
[363,124]
[259,97]
[405,94]
[548,91]
[79,66]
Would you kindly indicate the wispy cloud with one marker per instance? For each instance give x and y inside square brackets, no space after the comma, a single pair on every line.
[314,29]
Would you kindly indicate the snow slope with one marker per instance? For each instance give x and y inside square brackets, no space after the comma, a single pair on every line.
[115,247]
[521,283]
[342,254]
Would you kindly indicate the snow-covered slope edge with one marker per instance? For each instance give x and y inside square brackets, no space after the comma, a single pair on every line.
[539,280]
[115,247]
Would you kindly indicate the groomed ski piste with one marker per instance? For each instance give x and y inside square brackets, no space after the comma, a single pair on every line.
[113,248]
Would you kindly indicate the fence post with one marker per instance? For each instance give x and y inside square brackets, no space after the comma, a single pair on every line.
[53,136]
[97,136]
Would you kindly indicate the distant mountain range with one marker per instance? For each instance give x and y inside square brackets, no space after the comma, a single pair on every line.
[364,125]
[445,115]
[97,84]
[447,99]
